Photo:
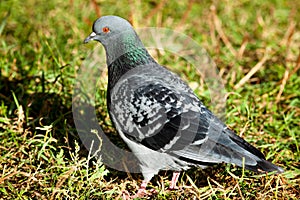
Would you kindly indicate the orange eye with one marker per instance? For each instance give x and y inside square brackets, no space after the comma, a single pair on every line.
[105,30]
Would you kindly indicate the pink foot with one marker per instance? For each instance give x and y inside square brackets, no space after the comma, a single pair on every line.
[174,181]
[142,192]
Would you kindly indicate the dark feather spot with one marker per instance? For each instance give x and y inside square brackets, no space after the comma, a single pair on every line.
[164,136]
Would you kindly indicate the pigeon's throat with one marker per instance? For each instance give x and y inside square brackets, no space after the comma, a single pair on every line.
[126,62]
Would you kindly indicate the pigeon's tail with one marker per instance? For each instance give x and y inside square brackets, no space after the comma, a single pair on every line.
[265,166]
[262,164]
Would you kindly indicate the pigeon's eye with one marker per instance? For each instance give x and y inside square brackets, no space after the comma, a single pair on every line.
[105,30]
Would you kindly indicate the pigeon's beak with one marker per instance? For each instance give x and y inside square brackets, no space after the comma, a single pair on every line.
[90,37]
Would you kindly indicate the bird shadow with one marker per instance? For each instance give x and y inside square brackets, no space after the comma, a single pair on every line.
[41,107]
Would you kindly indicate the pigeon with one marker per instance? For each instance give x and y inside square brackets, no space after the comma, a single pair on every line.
[159,117]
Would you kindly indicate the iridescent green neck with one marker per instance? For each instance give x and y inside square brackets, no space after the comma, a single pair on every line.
[124,52]
[134,56]
[127,62]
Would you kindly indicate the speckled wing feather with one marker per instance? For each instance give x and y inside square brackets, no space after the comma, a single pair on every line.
[154,112]
[158,110]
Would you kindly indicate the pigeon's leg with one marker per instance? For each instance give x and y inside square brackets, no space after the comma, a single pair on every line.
[174,180]
[142,190]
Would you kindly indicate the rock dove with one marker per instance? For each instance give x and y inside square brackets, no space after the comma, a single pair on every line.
[158,115]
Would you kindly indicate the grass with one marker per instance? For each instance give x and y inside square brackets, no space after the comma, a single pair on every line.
[255,45]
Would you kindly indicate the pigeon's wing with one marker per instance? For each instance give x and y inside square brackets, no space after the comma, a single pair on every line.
[154,115]
[164,115]
[151,107]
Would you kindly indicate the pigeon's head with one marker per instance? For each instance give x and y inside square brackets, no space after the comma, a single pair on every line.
[118,38]
[107,28]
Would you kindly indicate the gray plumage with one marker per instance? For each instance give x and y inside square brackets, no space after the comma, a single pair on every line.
[159,117]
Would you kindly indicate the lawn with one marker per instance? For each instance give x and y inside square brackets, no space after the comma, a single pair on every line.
[254,44]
